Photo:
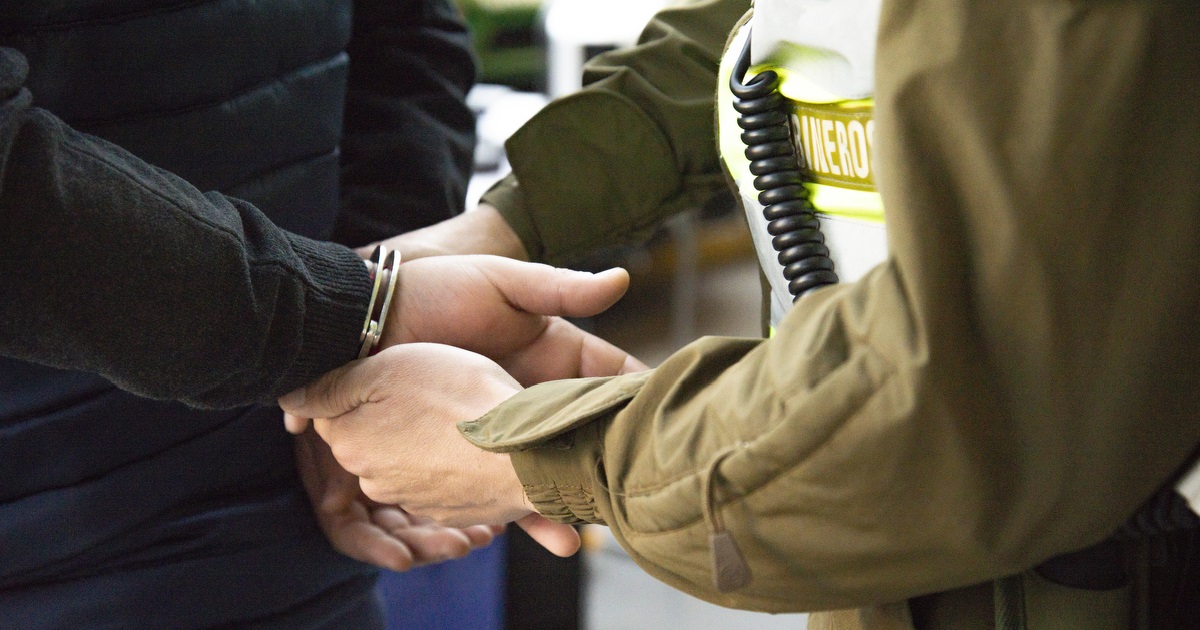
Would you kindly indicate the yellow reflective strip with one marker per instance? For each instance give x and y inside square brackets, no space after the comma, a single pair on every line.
[836,142]
[844,202]
[830,200]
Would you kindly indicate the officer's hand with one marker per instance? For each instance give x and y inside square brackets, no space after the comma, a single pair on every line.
[362,529]
[391,420]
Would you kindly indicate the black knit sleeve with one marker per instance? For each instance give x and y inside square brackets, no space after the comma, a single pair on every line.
[409,136]
[110,265]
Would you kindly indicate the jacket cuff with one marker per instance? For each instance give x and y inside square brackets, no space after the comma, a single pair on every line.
[554,434]
[621,199]
[559,478]
[335,304]
[508,198]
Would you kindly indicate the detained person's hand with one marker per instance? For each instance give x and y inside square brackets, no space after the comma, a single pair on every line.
[390,419]
[508,311]
[377,534]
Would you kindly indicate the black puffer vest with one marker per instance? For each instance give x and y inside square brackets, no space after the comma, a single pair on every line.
[116,511]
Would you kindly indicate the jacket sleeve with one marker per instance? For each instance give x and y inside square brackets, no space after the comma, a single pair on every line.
[110,265]
[409,139]
[634,146]
[1009,385]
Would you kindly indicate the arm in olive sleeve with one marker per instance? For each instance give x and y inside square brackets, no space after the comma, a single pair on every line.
[634,146]
[110,265]
[1020,374]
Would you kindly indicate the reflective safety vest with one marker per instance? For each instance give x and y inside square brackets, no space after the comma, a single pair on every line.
[824,56]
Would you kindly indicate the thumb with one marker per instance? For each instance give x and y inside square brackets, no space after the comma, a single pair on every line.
[337,392]
[559,539]
[547,290]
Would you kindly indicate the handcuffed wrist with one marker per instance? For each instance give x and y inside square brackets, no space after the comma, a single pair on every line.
[384,267]
[333,311]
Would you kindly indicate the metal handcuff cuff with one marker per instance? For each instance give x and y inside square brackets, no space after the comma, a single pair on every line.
[384,271]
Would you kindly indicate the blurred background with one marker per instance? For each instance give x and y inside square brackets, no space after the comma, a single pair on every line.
[529,52]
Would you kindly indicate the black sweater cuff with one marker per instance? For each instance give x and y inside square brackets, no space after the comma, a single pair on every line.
[334,309]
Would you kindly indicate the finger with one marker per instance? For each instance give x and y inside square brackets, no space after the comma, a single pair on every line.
[428,540]
[340,491]
[565,351]
[433,543]
[366,542]
[330,488]
[547,290]
[337,392]
[306,467]
[294,424]
[559,539]
[601,358]
[479,535]
[390,517]
[482,535]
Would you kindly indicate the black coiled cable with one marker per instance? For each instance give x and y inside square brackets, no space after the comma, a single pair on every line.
[791,217]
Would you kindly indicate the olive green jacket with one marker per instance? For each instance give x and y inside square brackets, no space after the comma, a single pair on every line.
[1009,385]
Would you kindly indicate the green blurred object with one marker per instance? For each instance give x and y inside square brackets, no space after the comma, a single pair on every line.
[508,42]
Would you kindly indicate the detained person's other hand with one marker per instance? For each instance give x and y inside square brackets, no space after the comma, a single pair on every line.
[377,534]
[508,311]
[391,420]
